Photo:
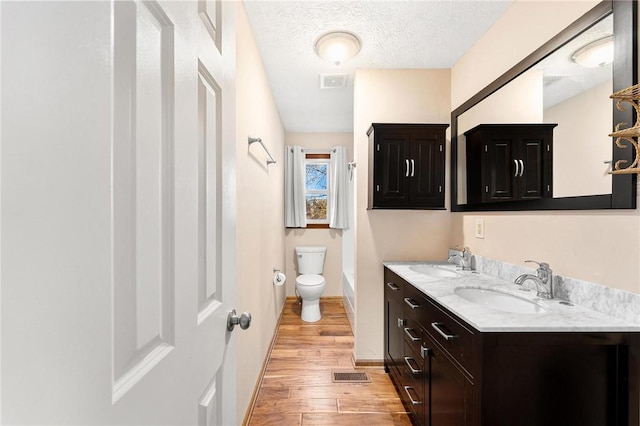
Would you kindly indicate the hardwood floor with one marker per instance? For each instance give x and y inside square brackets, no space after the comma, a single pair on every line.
[297,388]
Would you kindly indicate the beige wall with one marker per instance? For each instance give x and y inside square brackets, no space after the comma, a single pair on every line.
[260,233]
[330,238]
[598,246]
[524,26]
[504,106]
[581,143]
[392,96]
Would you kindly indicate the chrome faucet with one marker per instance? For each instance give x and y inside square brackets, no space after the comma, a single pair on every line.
[543,280]
[463,261]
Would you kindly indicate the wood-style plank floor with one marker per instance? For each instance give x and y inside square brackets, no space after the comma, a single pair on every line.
[297,387]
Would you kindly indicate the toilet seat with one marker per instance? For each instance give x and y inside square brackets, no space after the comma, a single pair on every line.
[310,280]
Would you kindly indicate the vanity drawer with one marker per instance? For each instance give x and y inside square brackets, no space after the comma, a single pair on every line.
[394,286]
[413,394]
[413,385]
[415,303]
[450,334]
[412,335]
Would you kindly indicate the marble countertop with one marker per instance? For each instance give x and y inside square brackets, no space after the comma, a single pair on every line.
[558,317]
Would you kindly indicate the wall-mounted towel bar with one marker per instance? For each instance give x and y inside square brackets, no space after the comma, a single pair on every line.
[270,160]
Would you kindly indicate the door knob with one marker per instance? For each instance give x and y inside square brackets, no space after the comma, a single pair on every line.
[243,320]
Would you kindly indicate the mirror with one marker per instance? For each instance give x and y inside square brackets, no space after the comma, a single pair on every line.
[549,87]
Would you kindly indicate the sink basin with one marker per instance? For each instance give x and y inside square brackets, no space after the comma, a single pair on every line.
[498,300]
[434,271]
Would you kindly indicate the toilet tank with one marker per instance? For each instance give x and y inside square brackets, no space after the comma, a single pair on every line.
[310,259]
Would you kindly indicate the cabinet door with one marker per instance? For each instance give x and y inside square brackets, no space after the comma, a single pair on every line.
[499,169]
[450,391]
[426,175]
[392,167]
[394,317]
[534,152]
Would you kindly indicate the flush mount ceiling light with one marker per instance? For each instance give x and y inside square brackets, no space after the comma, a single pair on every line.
[595,54]
[337,46]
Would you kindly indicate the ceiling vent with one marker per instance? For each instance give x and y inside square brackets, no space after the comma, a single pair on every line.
[548,80]
[333,81]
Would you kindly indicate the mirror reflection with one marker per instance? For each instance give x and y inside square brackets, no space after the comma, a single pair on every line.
[563,89]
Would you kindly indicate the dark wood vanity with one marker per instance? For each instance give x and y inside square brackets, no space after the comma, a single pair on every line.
[449,373]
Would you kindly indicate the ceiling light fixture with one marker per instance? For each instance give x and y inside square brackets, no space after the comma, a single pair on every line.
[337,46]
[595,54]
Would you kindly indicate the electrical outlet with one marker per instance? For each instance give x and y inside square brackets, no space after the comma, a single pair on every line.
[480,228]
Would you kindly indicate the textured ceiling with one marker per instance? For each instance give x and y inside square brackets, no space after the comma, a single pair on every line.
[394,34]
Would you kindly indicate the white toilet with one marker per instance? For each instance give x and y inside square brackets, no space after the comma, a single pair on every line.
[310,282]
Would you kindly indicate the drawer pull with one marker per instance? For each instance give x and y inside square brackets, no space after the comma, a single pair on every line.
[412,303]
[409,331]
[413,401]
[393,287]
[424,351]
[436,326]
[408,361]
[400,322]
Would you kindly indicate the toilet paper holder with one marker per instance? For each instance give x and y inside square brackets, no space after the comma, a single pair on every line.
[278,277]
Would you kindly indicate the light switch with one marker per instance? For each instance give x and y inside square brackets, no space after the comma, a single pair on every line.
[480,228]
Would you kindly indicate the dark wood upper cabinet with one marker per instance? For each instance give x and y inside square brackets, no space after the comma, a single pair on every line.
[406,166]
[509,162]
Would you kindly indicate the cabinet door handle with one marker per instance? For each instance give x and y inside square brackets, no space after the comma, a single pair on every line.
[436,326]
[517,170]
[412,303]
[413,338]
[393,287]
[424,351]
[413,401]
[407,361]
[407,172]
[521,167]
[413,167]
[400,322]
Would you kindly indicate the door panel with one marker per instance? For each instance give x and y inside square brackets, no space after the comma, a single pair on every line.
[532,181]
[427,186]
[209,191]
[501,169]
[143,286]
[393,167]
[118,123]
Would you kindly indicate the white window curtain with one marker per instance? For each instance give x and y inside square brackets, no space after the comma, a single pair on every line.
[295,208]
[338,217]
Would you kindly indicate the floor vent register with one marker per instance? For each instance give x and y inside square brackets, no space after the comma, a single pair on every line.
[350,377]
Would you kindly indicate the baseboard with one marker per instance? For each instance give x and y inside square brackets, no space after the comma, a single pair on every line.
[367,362]
[290,298]
[263,370]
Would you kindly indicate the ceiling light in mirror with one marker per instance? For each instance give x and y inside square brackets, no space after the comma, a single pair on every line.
[337,47]
[595,54]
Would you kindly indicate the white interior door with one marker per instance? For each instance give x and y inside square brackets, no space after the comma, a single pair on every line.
[117,212]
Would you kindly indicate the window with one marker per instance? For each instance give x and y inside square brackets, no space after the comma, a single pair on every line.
[317,190]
